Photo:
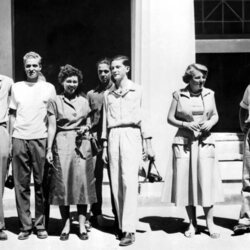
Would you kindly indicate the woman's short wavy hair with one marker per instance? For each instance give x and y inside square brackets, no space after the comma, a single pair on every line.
[68,71]
[191,69]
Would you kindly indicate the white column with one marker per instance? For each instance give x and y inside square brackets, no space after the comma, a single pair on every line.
[163,44]
[6,63]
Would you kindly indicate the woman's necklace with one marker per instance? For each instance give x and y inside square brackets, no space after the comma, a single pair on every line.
[195,94]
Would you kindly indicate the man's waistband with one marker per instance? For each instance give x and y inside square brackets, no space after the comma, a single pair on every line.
[3,124]
[125,126]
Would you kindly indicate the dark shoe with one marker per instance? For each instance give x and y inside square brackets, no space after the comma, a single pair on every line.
[24,235]
[127,239]
[83,236]
[64,236]
[42,234]
[3,235]
[240,229]
[118,233]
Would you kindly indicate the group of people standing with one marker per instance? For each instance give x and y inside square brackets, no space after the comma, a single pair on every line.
[59,131]
[39,128]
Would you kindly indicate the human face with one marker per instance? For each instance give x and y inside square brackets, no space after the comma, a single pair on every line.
[197,82]
[32,68]
[119,70]
[104,73]
[70,85]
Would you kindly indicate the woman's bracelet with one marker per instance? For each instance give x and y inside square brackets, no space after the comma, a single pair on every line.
[182,125]
[48,149]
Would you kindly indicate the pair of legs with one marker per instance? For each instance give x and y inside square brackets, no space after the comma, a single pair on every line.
[29,156]
[65,214]
[96,208]
[4,154]
[244,218]
[192,229]
[125,154]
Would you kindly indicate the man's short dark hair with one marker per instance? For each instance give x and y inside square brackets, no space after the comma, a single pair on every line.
[125,60]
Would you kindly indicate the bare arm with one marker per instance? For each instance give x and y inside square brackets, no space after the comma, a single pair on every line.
[243,114]
[51,136]
[104,133]
[149,149]
[172,120]
[171,115]
[207,125]
[12,119]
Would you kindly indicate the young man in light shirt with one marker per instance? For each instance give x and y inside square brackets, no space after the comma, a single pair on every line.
[124,127]
[5,87]
[28,127]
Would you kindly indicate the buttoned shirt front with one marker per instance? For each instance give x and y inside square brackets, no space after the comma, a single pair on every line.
[123,109]
[70,114]
[5,87]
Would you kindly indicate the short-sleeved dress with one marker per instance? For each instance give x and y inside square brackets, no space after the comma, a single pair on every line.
[193,177]
[72,178]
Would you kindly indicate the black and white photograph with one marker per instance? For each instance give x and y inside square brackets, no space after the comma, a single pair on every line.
[124,124]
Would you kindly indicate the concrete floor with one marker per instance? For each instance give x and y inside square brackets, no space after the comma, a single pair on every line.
[159,227]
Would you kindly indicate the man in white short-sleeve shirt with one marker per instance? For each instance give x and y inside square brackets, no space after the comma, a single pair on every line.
[28,127]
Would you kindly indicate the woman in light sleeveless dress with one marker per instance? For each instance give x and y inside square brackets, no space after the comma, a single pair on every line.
[194,178]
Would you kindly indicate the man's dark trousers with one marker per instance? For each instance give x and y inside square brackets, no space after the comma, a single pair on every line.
[29,156]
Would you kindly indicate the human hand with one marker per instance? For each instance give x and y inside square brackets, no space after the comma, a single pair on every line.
[83,129]
[206,126]
[49,156]
[150,153]
[193,126]
[247,120]
[105,155]
[10,150]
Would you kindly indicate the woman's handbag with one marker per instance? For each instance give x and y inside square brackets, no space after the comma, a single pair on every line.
[153,177]
[9,183]
[150,172]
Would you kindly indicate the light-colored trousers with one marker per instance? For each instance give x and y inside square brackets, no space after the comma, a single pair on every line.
[4,154]
[125,153]
[245,192]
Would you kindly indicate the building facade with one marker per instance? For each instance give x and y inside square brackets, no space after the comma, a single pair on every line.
[162,37]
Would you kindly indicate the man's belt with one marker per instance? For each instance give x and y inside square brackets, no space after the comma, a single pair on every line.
[4,124]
